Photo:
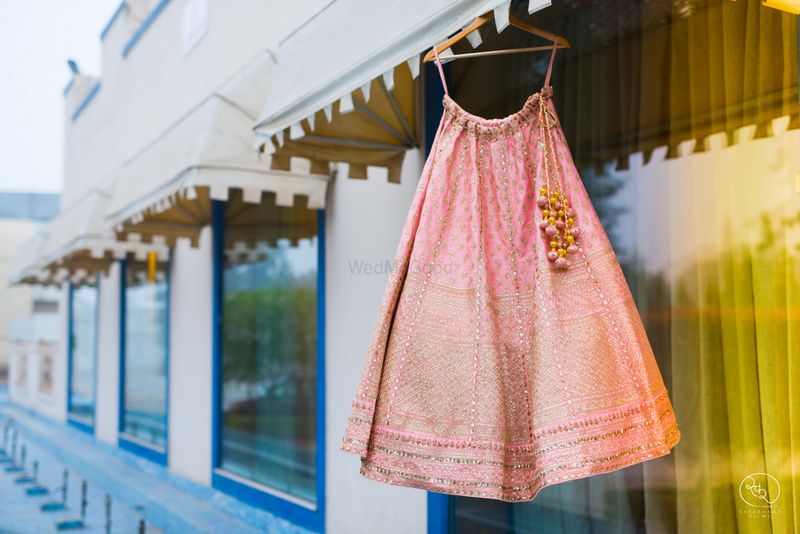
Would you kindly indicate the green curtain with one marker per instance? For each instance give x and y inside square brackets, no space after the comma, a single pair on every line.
[734,343]
[670,110]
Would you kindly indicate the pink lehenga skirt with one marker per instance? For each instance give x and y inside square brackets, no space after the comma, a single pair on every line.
[509,354]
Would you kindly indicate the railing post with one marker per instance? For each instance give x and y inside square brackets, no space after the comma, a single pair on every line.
[108,513]
[84,500]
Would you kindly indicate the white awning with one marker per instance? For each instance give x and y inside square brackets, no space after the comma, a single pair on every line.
[80,242]
[326,67]
[27,267]
[77,244]
[164,192]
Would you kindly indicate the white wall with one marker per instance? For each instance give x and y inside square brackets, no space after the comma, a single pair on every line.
[19,361]
[364,221]
[15,301]
[57,406]
[190,360]
[143,94]
[107,405]
[52,327]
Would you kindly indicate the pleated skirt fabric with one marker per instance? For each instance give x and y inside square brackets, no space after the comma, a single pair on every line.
[492,372]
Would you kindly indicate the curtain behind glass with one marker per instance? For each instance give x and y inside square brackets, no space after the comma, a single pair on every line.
[683,120]
[644,75]
[734,304]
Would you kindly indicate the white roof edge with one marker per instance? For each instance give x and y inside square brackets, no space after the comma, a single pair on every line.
[229,176]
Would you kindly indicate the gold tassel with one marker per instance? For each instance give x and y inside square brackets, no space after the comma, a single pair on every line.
[152,259]
[558,215]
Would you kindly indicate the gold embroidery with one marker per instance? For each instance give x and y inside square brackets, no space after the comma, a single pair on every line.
[662,447]
[565,428]
[532,454]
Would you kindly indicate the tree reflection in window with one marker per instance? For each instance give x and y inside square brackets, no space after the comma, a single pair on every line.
[269,337]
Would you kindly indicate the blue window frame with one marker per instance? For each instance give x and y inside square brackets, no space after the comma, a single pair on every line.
[144,358]
[269,358]
[82,310]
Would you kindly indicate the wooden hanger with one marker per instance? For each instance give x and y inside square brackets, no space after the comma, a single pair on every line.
[483,19]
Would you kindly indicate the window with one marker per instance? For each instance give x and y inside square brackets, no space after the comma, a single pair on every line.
[82,352]
[682,118]
[268,374]
[145,349]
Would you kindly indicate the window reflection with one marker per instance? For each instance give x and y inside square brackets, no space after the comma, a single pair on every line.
[683,120]
[83,346]
[269,335]
[146,343]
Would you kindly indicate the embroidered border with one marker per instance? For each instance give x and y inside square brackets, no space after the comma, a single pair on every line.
[506,493]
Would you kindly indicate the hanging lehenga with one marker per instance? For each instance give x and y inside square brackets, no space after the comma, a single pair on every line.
[509,354]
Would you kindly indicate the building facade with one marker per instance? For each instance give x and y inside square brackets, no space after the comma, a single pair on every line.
[237,180]
[21,216]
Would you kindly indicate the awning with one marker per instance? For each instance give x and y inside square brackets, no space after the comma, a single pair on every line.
[661,77]
[342,95]
[165,191]
[27,267]
[77,244]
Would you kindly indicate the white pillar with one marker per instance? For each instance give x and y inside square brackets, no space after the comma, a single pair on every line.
[190,360]
[106,425]
[364,221]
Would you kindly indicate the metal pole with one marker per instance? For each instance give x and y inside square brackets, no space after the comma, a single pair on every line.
[108,513]
[141,526]
[35,470]
[84,501]
[23,453]
[64,487]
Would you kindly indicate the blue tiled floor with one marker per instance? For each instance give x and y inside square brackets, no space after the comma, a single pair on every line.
[20,513]
[138,488]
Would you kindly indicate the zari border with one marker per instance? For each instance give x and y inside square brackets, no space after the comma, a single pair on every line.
[587,423]
[532,454]
[529,491]
[602,444]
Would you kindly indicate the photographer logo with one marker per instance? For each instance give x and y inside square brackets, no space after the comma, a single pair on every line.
[759,490]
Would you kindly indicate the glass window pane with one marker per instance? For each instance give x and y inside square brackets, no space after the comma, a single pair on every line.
[269,357]
[83,347]
[682,118]
[145,400]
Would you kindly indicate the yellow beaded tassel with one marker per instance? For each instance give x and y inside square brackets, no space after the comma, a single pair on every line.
[558,217]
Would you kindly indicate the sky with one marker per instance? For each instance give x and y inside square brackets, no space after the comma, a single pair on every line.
[36,38]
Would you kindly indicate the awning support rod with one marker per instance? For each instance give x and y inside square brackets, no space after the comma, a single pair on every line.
[354,142]
[231,216]
[364,110]
[399,114]
[189,213]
